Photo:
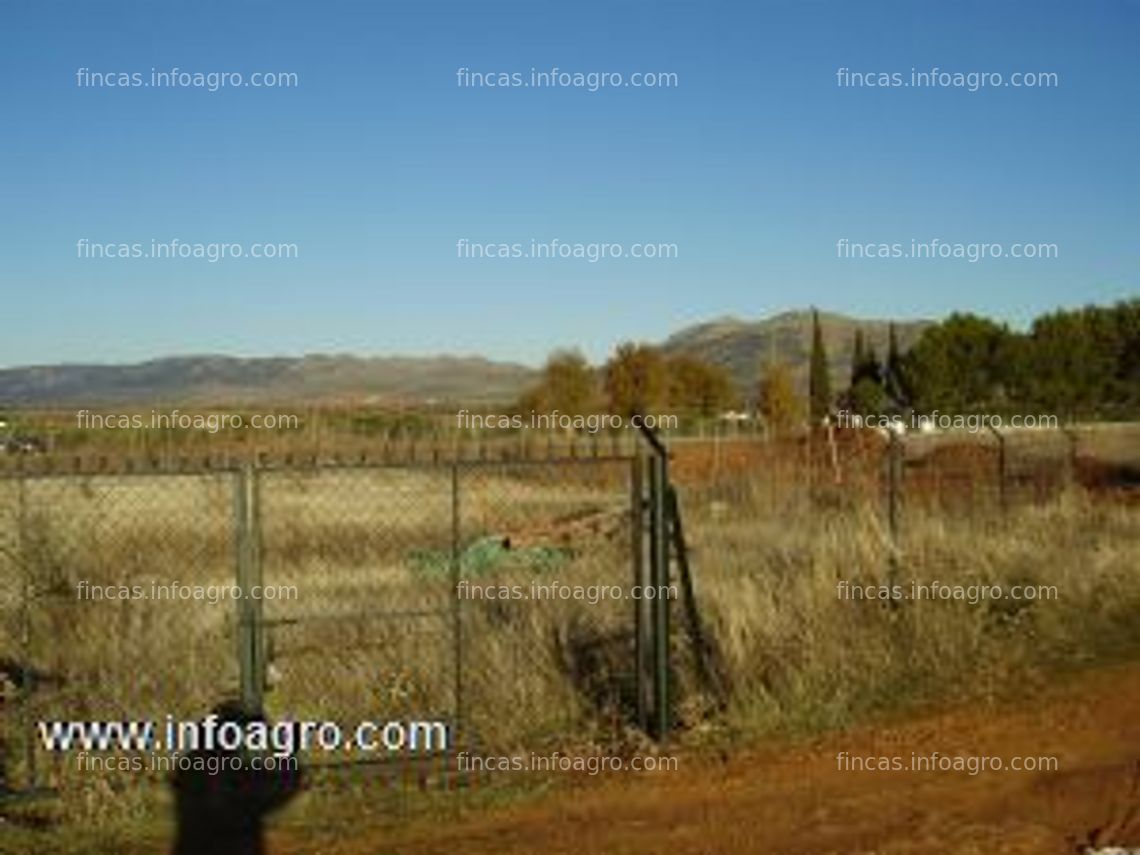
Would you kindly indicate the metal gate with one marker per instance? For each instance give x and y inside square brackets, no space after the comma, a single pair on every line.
[492,595]
[489,595]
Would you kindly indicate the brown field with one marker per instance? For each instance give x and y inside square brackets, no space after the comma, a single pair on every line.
[772,530]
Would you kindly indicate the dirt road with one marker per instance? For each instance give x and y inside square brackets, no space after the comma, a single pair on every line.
[799,800]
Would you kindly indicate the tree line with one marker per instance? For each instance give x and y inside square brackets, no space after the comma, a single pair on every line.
[1073,363]
[637,379]
[1082,363]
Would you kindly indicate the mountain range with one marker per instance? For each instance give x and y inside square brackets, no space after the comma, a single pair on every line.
[741,346]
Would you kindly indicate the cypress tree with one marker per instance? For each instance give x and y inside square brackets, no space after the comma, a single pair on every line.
[858,357]
[894,379]
[819,383]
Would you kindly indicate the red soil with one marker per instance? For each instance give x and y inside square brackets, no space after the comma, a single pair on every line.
[797,801]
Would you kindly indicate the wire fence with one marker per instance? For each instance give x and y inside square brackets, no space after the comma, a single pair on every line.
[954,473]
[491,595]
[92,625]
[489,588]
[760,513]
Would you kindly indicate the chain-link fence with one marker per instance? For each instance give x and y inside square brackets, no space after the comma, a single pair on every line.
[496,597]
[951,473]
[92,624]
[801,544]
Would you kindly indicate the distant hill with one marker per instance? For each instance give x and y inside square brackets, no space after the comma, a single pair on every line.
[742,346]
[232,379]
[739,345]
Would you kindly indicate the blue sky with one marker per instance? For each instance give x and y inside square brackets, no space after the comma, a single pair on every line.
[378,162]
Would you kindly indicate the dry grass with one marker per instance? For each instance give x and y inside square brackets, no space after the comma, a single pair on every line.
[767,553]
[800,657]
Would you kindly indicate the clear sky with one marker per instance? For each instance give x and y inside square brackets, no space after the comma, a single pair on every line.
[754,165]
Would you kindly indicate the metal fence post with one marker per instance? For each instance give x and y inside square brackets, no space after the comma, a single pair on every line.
[1001,469]
[659,571]
[642,620]
[456,603]
[659,578]
[894,488]
[28,593]
[251,641]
